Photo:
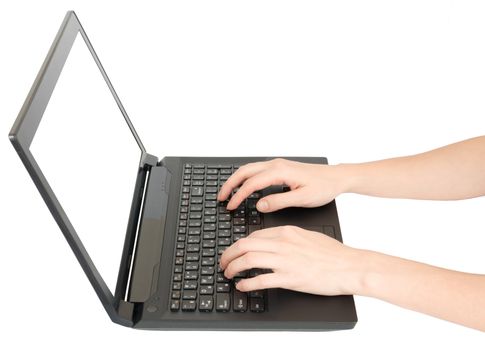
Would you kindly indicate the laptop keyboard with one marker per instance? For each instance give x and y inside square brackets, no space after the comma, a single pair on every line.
[205,229]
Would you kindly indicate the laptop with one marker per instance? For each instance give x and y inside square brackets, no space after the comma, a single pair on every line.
[174,230]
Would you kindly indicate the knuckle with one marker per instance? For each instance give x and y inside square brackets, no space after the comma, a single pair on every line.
[279,162]
[242,244]
[287,231]
[248,259]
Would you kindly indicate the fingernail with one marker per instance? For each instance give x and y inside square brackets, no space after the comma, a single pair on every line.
[262,205]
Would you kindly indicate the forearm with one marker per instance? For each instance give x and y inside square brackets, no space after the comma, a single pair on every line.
[456,171]
[454,296]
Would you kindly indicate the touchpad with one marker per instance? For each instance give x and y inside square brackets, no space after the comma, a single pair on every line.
[319,219]
[308,219]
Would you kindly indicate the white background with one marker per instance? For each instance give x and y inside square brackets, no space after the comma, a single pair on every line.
[350,80]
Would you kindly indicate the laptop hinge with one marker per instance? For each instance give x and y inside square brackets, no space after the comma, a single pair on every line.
[135,239]
[147,161]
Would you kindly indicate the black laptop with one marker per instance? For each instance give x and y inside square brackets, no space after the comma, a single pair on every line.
[167,271]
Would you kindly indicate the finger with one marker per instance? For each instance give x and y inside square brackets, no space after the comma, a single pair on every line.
[257,182]
[245,245]
[278,201]
[263,260]
[263,281]
[238,177]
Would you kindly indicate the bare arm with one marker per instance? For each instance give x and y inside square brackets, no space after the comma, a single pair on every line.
[288,250]
[450,295]
[456,171]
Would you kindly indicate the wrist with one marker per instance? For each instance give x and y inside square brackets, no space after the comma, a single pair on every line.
[366,267]
[346,177]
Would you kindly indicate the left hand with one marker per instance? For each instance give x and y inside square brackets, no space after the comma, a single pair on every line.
[301,260]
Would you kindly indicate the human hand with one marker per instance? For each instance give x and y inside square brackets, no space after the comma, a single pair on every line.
[301,260]
[311,185]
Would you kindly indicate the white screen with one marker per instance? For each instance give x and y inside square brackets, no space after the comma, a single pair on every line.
[86,151]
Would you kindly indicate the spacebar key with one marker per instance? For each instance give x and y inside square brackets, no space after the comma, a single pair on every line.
[223,302]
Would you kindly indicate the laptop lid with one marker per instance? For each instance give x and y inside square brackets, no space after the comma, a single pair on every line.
[83,159]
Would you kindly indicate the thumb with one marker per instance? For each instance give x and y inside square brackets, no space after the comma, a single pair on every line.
[278,201]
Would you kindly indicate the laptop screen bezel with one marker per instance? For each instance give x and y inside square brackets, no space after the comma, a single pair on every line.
[23,132]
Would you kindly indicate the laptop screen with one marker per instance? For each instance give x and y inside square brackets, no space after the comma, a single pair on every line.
[90,158]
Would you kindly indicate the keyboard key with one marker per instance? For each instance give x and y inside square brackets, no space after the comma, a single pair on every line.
[194,231]
[210,219]
[210,211]
[223,287]
[224,217]
[196,207]
[191,266]
[196,215]
[207,270]
[206,289]
[223,302]
[255,220]
[208,252]
[211,243]
[197,191]
[193,248]
[191,275]
[239,221]
[209,235]
[221,278]
[174,305]
[240,213]
[189,295]
[240,301]
[224,233]
[239,229]
[224,241]
[237,236]
[208,261]
[193,239]
[188,305]
[209,227]
[190,285]
[209,279]
[257,304]
[206,303]
[192,257]
[195,223]
[224,225]
[176,294]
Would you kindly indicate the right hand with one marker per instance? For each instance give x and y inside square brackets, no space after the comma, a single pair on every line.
[311,185]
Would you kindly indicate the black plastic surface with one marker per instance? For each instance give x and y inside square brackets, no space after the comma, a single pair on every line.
[287,310]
